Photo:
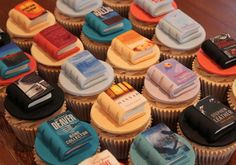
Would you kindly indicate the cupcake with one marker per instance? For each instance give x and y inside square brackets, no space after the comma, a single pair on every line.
[119,115]
[215,66]
[105,157]
[52,46]
[170,87]
[145,15]
[131,54]
[121,6]
[82,78]
[179,37]
[71,14]
[232,96]
[65,140]
[29,102]
[159,145]
[14,64]
[101,26]
[210,127]
[25,20]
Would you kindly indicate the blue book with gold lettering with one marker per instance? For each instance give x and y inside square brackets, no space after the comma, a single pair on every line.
[13,61]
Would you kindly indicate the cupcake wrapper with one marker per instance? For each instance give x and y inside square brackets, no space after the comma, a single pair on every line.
[136,81]
[118,146]
[81,109]
[2,98]
[211,155]
[217,90]
[169,116]
[231,99]
[98,50]
[50,74]
[74,27]
[23,44]
[185,59]
[121,8]
[147,31]
[39,161]
[27,135]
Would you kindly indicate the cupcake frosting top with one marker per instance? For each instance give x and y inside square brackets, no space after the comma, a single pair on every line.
[84,75]
[28,18]
[132,51]
[159,145]
[77,8]
[69,140]
[171,82]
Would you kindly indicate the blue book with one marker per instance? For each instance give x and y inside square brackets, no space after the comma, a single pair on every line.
[105,21]
[13,61]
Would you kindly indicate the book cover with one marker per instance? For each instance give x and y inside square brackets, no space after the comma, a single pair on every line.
[226,44]
[108,16]
[87,64]
[34,86]
[15,59]
[30,9]
[166,143]
[217,112]
[70,130]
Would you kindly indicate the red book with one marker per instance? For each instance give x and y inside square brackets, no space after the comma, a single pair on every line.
[57,42]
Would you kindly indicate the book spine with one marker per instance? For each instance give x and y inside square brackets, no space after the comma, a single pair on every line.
[68,53]
[44,44]
[96,23]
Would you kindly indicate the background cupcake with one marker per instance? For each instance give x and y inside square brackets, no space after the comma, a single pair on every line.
[232,96]
[82,78]
[28,104]
[213,143]
[51,48]
[144,18]
[121,6]
[101,26]
[181,43]
[169,88]
[131,55]
[25,20]
[116,122]
[71,14]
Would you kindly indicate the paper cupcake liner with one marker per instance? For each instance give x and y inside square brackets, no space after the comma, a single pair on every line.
[211,155]
[208,87]
[79,107]
[24,44]
[118,145]
[136,81]
[185,58]
[27,134]
[74,27]
[99,50]
[50,74]
[39,161]
[164,113]
[121,7]
[145,30]
[231,99]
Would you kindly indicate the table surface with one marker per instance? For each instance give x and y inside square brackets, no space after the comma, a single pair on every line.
[216,16]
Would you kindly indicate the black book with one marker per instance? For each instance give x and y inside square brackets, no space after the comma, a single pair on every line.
[30,92]
[222,49]
[4,38]
[211,118]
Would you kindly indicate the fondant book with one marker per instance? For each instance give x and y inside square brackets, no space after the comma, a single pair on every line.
[122,102]
[30,92]
[218,118]
[79,5]
[180,26]
[105,20]
[65,135]
[222,49]
[12,61]
[85,70]
[4,38]
[57,42]
[173,77]
[163,145]
[133,47]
